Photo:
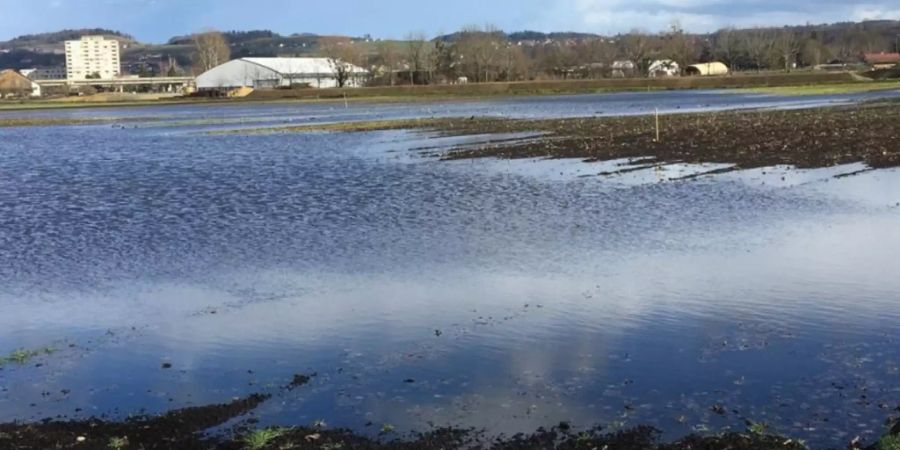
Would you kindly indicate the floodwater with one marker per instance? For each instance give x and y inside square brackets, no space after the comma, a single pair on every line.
[504,295]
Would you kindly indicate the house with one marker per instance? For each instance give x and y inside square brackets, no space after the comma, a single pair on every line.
[881,60]
[706,69]
[832,67]
[663,68]
[622,68]
[270,73]
[45,73]
[14,84]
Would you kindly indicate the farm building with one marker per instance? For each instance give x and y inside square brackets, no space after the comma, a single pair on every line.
[881,60]
[706,69]
[14,84]
[663,68]
[270,73]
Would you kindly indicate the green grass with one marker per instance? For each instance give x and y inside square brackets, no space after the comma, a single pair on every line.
[117,443]
[260,439]
[22,356]
[758,428]
[826,89]
[889,443]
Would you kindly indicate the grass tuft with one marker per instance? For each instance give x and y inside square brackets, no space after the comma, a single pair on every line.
[117,443]
[22,356]
[260,439]
[889,443]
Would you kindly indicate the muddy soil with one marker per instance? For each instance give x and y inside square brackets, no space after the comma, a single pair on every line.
[803,138]
[176,429]
[808,138]
[184,429]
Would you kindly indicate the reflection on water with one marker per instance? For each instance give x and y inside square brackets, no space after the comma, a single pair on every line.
[499,294]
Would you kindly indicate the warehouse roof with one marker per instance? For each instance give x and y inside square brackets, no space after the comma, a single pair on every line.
[287,66]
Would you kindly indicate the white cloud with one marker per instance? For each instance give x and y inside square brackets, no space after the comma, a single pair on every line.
[874,12]
[611,16]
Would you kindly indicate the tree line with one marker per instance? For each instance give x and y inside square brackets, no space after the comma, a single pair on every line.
[487,54]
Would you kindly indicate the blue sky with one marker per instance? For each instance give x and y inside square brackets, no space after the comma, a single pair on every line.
[157,20]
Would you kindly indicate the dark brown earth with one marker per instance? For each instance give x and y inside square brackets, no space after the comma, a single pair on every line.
[802,138]
[183,429]
[809,138]
[174,430]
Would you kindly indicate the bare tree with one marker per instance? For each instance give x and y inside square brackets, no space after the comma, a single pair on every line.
[812,52]
[786,45]
[759,44]
[389,58]
[598,55]
[445,60]
[210,50]
[415,54]
[342,56]
[728,46]
[481,52]
[679,47]
[559,60]
[636,47]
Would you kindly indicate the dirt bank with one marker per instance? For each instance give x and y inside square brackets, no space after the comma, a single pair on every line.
[183,429]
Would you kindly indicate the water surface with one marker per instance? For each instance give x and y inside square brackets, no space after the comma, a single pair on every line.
[505,295]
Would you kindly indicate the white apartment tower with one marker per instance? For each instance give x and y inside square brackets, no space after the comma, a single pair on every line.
[91,56]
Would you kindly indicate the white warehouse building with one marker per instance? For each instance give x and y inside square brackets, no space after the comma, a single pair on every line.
[268,73]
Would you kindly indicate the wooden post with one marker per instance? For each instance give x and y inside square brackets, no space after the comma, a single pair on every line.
[346,105]
[657,124]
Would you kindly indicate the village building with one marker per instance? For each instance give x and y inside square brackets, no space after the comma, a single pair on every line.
[14,84]
[881,60]
[663,68]
[92,57]
[622,68]
[45,73]
[270,73]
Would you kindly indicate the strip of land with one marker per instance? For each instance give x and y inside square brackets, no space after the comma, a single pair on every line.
[807,138]
[7,122]
[784,83]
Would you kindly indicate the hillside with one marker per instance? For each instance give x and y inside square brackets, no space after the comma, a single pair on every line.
[46,49]
[56,38]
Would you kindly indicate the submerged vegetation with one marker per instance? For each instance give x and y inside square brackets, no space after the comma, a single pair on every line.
[22,356]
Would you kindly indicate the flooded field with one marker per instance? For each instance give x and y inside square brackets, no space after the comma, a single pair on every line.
[151,266]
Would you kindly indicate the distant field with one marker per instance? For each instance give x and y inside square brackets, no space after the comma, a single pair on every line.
[842,88]
[805,83]
[566,86]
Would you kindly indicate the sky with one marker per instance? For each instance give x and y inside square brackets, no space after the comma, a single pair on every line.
[158,20]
